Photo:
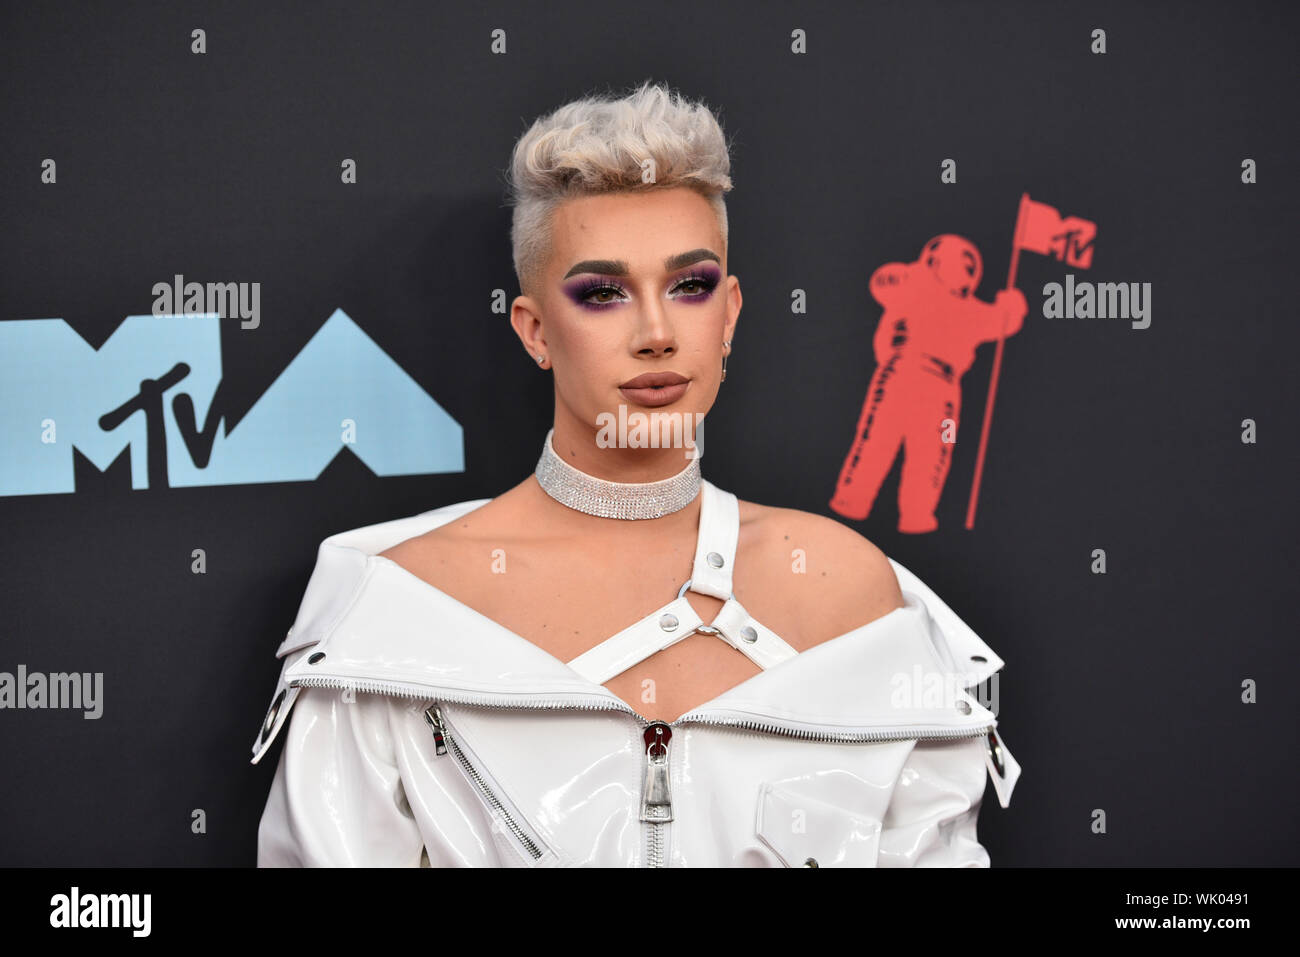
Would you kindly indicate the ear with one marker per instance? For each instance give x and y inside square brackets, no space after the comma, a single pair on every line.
[526,319]
[734,302]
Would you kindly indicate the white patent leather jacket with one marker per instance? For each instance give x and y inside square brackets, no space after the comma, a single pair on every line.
[425,734]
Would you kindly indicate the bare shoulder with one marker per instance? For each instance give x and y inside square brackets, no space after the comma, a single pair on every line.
[838,579]
[452,540]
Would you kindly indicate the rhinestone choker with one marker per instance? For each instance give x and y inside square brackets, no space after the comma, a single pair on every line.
[594,496]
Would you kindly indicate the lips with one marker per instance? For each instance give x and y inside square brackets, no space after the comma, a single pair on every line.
[655,388]
[650,380]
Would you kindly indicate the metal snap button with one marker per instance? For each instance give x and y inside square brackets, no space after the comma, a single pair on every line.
[811,862]
[714,559]
[316,657]
[668,622]
[963,707]
[749,634]
[995,751]
[270,714]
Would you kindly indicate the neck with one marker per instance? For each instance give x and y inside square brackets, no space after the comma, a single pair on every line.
[599,496]
[577,446]
[567,523]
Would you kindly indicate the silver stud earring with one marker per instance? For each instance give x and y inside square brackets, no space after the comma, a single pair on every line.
[541,359]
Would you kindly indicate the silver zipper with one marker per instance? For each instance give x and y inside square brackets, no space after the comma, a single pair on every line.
[442,741]
[656,781]
[841,736]
[656,797]
[597,703]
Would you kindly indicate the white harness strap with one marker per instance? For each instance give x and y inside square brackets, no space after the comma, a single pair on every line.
[715,554]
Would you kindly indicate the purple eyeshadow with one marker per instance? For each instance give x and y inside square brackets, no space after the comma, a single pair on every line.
[711,275]
[582,289]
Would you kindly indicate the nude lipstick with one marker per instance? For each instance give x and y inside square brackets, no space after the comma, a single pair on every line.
[655,388]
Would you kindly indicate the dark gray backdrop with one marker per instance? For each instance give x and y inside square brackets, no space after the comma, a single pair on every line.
[1121,692]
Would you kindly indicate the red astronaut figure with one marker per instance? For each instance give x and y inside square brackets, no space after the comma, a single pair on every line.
[924,343]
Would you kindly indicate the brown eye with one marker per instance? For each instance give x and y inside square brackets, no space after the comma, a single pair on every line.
[694,287]
[609,292]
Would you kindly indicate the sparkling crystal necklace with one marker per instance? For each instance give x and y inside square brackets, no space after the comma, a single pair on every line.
[595,496]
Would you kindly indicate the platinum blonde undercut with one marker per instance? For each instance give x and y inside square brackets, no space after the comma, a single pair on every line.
[600,144]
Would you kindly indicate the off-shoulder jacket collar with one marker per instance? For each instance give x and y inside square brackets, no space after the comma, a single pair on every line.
[373,626]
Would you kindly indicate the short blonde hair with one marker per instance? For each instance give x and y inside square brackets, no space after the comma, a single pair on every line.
[597,145]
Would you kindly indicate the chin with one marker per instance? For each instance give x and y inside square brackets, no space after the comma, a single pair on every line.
[630,425]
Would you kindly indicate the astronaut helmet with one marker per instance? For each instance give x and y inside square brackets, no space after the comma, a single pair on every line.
[955,262]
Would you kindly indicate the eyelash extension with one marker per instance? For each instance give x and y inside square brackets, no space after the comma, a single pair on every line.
[707,281]
[592,286]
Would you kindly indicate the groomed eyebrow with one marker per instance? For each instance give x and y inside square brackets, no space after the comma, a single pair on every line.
[618,267]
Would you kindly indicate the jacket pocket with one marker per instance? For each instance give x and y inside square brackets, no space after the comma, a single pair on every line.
[518,841]
[804,831]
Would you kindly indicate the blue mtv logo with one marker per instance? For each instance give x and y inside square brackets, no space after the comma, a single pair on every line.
[156,379]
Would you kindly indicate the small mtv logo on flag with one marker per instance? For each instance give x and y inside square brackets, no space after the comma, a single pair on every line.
[1041,229]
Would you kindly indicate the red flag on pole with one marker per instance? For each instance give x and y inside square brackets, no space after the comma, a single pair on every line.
[1040,229]
[1044,230]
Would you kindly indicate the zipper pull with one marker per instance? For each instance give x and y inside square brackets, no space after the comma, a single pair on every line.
[656,802]
[433,715]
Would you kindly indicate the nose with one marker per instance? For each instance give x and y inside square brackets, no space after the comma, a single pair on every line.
[655,331]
